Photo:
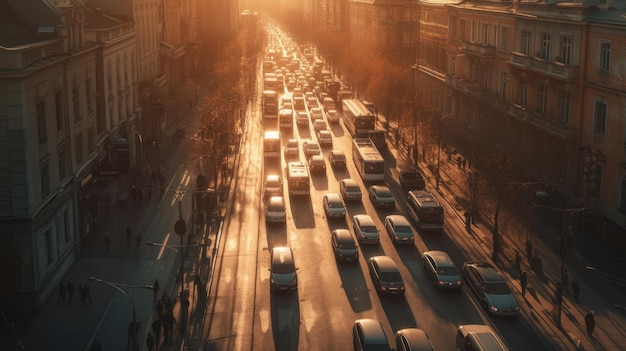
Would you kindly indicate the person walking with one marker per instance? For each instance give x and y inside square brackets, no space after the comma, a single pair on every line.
[155,290]
[70,291]
[590,323]
[150,341]
[523,280]
[137,242]
[107,241]
[575,289]
[61,298]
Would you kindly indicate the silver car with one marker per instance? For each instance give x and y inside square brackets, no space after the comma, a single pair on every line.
[276,210]
[491,288]
[350,190]
[333,206]
[441,269]
[399,229]
[365,229]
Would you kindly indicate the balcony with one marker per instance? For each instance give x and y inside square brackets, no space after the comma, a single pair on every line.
[551,126]
[475,92]
[549,68]
[478,49]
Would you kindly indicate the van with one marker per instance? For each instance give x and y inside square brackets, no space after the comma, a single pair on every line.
[478,337]
[282,269]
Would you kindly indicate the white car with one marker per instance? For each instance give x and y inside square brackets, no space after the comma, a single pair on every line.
[292,148]
[332,116]
[276,210]
[311,148]
[316,114]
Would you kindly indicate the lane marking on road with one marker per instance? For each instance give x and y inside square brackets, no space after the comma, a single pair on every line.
[167,237]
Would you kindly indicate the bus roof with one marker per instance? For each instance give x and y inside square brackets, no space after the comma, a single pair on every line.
[298,169]
[368,149]
[270,93]
[424,198]
[272,134]
[356,107]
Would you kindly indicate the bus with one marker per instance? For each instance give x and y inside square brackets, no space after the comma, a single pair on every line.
[357,118]
[270,104]
[298,178]
[425,211]
[368,161]
[271,144]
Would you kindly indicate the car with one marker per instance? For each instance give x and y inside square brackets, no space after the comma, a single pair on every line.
[491,288]
[316,114]
[328,103]
[344,245]
[337,158]
[275,211]
[478,337]
[283,271]
[365,229]
[413,339]
[311,102]
[302,119]
[273,185]
[317,164]
[325,138]
[411,179]
[292,148]
[319,124]
[311,148]
[332,116]
[399,229]
[368,334]
[442,271]
[385,275]
[381,196]
[333,206]
[350,190]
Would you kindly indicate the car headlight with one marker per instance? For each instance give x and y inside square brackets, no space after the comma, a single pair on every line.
[494,309]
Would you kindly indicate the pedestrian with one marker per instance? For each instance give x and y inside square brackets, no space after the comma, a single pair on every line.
[575,289]
[155,290]
[150,341]
[523,280]
[590,323]
[156,329]
[70,291]
[518,261]
[137,242]
[468,220]
[133,193]
[129,233]
[61,298]
[564,283]
[107,241]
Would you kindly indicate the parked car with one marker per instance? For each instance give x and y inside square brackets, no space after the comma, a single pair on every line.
[337,158]
[381,196]
[350,190]
[333,206]
[325,138]
[365,229]
[412,179]
[368,334]
[311,148]
[292,148]
[273,185]
[413,339]
[441,269]
[399,229]
[317,164]
[283,275]
[275,210]
[491,288]
[385,275]
[344,245]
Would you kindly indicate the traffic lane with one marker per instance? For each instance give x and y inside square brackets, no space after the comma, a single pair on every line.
[285,314]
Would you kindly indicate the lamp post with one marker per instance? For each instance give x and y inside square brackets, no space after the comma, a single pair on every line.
[438,177]
[119,287]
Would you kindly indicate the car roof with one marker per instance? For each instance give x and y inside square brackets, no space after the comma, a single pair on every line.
[364,219]
[273,177]
[398,220]
[337,152]
[488,272]
[333,197]
[276,201]
[441,258]
[417,339]
[349,182]
[282,254]
[343,234]
[373,331]
[385,263]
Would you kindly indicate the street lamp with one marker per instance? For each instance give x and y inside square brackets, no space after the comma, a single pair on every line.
[119,287]
[438,177]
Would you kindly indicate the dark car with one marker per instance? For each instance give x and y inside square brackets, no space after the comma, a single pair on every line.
[337,158]
[369,335]
[381,196]
[399,229]
[365,229]
[282,269]
[491,288]
[412,180]
[413,339]
[441,269]
[344,246]
[385,275]
[317,164]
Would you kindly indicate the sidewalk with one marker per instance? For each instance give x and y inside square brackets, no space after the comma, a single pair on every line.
[538,307]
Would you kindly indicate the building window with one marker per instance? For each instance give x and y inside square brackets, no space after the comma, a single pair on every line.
[599,118]
[462,25]
[78,145]
[523,94]
[76,103]
[503,78]
[62,164]
[525,48]
[566,50]
[484,35]
[44,174]
[605,57]
[565,106]
[504,38]
[545,46]
[49,251]
[58,105]
[542,99]
[41,123]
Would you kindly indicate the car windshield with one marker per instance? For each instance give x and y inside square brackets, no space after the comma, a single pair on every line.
[497,288]
[368,229]
[284,268]
[335,204]
[384,194]
[346,244]
[390,277]
[403,229]
[447,271]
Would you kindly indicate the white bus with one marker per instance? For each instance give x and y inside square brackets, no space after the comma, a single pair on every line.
[298,180]
[357,118]
[270,104]
[271,144]
[425,211]
[368,161]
